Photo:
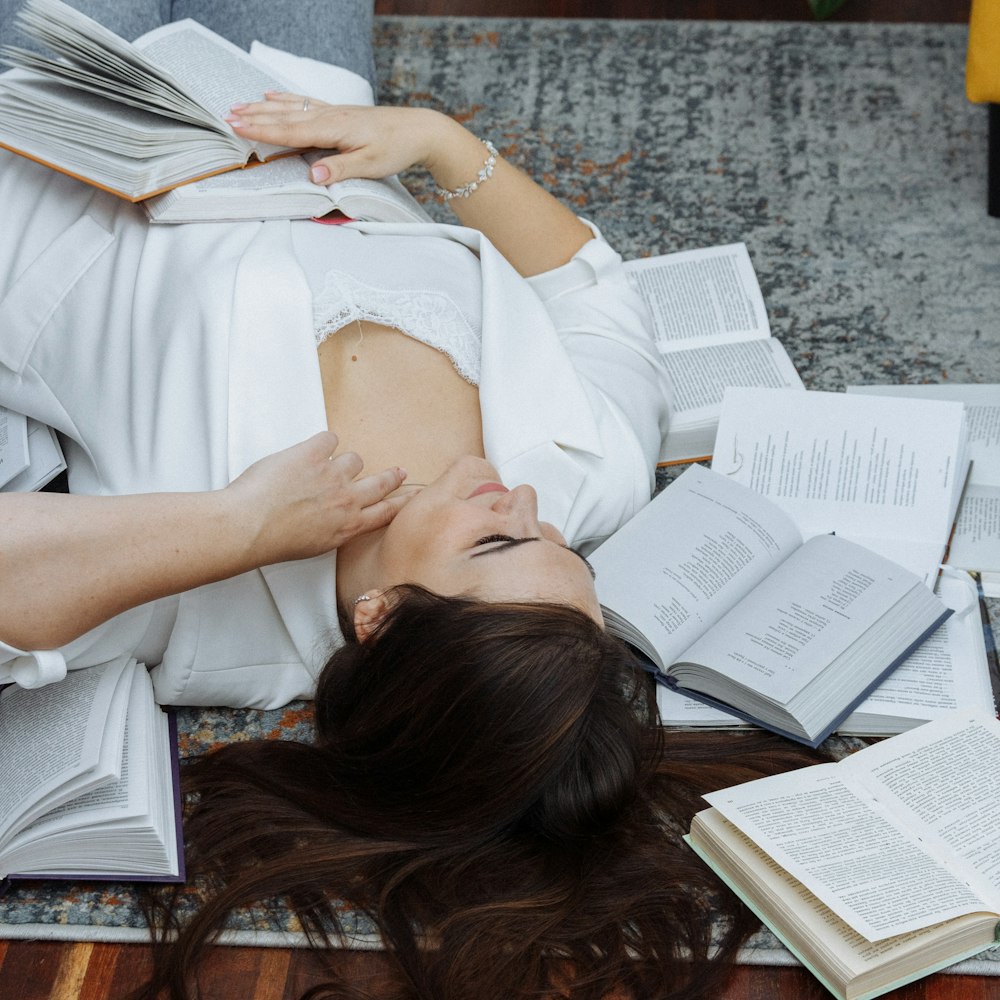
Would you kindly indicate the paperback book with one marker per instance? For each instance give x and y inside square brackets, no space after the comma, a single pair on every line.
[712,330]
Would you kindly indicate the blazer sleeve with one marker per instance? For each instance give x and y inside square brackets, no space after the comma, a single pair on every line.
[606,329]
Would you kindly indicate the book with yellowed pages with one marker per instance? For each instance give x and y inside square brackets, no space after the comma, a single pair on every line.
[711,328]
[878,869]
[145,121]
[134,118]
[714,585]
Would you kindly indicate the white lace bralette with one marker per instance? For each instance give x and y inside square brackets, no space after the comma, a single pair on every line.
[427,287]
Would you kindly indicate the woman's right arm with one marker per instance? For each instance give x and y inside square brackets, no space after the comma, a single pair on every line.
[69,563]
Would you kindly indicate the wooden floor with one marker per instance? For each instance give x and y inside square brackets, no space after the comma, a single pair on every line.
[48,971]
[39,971]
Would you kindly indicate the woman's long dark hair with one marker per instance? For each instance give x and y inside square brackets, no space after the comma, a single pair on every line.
[489,785]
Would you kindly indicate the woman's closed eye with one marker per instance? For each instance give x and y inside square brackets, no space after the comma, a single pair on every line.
[495,538]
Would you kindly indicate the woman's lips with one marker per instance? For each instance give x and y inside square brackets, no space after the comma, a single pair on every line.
[488,488]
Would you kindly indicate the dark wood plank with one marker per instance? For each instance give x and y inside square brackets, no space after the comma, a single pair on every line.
[55,971]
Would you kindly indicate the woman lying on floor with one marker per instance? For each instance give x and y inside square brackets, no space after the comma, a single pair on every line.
[488,781]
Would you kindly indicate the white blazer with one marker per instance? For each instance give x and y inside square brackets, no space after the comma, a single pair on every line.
[173,357]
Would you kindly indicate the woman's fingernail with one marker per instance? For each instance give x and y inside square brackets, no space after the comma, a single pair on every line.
[238,107]
[319,173]
[234,121]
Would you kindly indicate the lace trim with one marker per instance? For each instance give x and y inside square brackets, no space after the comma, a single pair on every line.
[430,317]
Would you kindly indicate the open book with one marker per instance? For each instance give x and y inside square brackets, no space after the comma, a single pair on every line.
[975,543]
[886,473]
[30,454]
[711,327]
[142,118]
[951,670]
[878,869]
[132,118]
[714,585]
[88,779]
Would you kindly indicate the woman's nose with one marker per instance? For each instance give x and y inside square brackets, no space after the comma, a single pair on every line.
[520,505]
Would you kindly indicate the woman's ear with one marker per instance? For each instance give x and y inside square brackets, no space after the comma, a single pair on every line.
[369,609]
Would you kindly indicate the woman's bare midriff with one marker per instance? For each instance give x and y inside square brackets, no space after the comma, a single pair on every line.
[396,401]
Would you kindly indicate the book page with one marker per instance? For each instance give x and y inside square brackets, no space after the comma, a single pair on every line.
[948,671]
[701,297]
[945,781]
[807,926]
[688,556]
[982,410]
[975,543]
[700,376]
[96,59]
[53,740]
[215,72]
[787,630]
[13,444]
[883,472]
[125,796]
[827,826]
[976,540]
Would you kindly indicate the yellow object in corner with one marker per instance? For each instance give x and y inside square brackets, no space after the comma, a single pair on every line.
[982,66]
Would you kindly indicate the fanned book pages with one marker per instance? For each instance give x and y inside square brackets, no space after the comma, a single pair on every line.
[146,121]
[132,118]
[711,328]
[714,585]
[89,784]
[878,869]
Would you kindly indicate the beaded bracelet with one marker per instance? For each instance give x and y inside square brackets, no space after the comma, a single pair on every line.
[485,173]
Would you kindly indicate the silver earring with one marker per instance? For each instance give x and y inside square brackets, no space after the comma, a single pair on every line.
[363,597]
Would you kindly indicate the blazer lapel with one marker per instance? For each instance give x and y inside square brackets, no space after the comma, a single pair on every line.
[275,401]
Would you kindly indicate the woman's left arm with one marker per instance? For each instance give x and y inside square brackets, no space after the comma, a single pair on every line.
[530,227]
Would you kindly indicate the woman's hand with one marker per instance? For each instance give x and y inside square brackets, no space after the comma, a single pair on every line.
[370,142]
[525,223]
[69,562]
[305,501]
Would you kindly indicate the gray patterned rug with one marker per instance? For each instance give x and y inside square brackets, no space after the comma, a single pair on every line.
[845,156]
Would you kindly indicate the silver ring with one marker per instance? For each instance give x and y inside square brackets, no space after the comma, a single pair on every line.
[305,104]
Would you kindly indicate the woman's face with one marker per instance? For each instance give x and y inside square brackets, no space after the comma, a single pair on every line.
[466,533]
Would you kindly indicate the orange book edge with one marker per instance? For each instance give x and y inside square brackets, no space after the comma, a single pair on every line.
[254,161]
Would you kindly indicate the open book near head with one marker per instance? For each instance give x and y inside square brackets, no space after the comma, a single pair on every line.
[714,585]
